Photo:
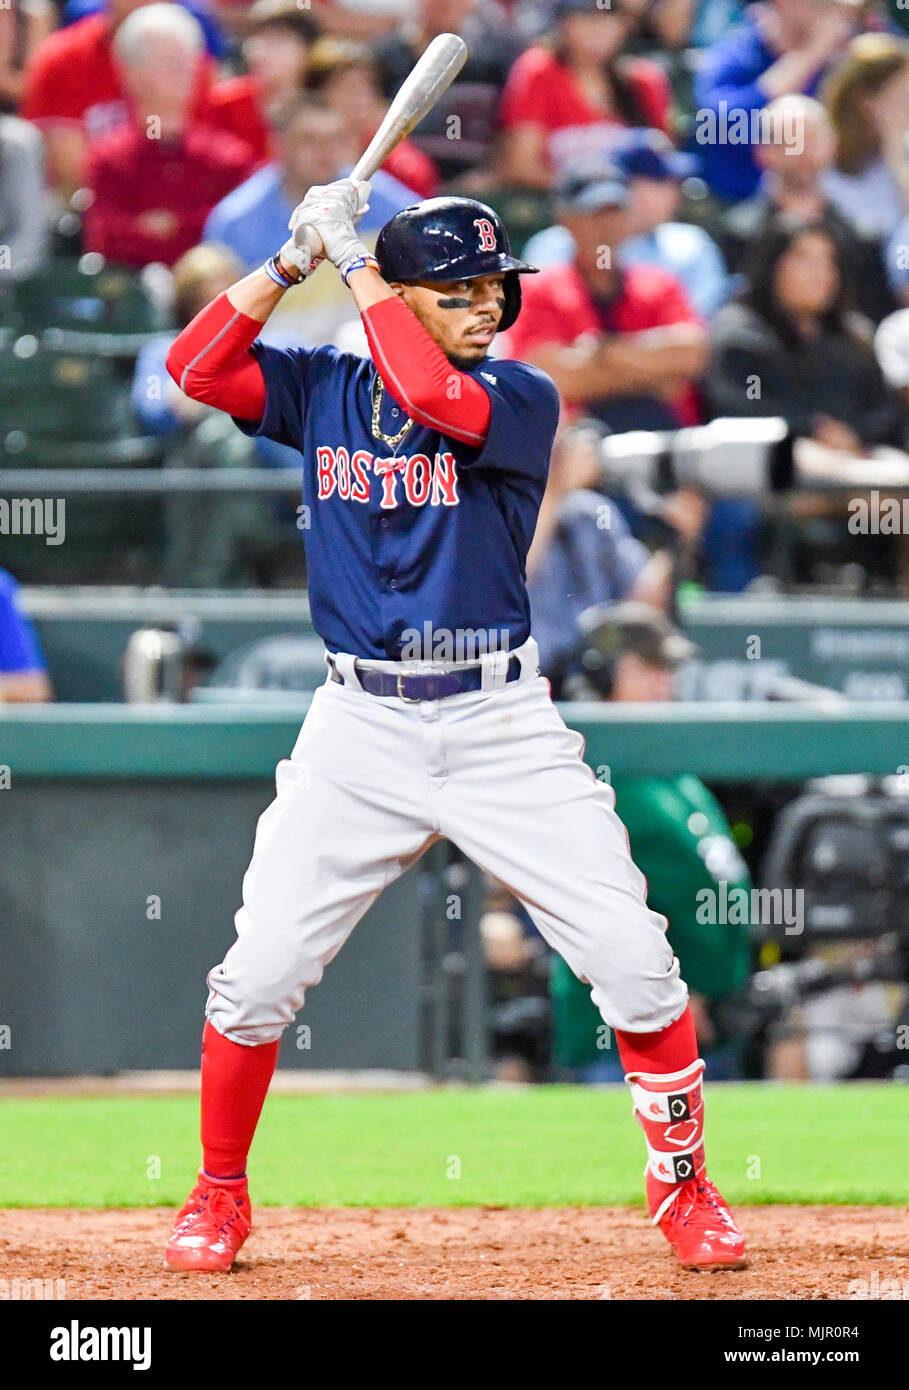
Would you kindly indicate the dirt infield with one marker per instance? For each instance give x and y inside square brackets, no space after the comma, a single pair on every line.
[471,1253]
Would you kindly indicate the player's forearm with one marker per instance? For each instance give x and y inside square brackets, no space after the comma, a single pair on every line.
[255,295]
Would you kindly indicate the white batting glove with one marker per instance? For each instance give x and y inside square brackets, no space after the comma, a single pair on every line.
[326,222]
[348,196]
[327,208]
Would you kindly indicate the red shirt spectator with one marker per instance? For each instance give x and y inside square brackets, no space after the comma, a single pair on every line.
[74,91]
[543,91]
[152,197]
[73,77]
[559,308]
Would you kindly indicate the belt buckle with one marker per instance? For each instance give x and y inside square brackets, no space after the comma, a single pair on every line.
[408,699]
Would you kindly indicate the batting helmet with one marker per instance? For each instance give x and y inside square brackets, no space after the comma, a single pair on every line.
[451,239]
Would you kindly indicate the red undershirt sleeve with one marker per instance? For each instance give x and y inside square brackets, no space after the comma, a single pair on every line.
[211,361]
[420,377]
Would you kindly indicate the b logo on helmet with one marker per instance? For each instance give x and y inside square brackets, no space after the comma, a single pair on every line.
[487,234]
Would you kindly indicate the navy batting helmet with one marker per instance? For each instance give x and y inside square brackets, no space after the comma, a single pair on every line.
[451,239]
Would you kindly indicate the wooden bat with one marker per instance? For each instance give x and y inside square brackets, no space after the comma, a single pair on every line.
[429,77]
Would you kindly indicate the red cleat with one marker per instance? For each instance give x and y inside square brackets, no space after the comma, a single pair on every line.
[701,1229]
[211,1226]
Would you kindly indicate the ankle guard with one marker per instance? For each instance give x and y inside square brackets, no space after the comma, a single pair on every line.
[670,1110]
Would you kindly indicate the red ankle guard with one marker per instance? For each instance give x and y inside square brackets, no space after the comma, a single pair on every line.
[670,1110]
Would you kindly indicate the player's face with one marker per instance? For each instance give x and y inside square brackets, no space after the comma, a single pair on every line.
[461,315]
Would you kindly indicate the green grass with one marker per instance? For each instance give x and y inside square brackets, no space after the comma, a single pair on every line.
[547,1146]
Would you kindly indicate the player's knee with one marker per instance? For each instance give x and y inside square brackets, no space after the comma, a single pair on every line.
[639,1001]
[253,1002]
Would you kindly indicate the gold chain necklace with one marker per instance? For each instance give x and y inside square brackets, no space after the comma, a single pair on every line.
[378,392]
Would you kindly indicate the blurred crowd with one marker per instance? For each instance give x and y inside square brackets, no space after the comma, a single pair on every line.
[717,195]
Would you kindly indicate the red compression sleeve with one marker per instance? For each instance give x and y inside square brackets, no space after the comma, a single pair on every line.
[420,377]
[211,361]
[235,1079]
[671,1049]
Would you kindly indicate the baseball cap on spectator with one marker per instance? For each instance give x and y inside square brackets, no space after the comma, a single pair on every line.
[645,153]
[591,184]
[283,14]
[891,347]
[607,631]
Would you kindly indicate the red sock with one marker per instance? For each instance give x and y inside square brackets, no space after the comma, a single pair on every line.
[671,1049]
[235,1080]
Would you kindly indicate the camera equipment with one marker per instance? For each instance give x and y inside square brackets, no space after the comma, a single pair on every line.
[842,845]
[730,457]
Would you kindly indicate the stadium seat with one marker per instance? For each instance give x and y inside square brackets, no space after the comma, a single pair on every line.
[60,409]
[87,305]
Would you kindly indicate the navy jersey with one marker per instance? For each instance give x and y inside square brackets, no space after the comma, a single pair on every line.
[434,539]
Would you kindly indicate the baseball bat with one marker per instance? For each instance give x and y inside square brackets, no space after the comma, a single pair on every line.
[430,76]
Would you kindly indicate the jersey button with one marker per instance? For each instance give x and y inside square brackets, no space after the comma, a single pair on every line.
[383,522]
[395,414]
[392,583]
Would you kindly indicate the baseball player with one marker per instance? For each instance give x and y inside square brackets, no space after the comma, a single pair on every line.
[423,469]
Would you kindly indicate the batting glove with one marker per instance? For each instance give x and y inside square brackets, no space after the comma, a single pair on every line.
[326,219]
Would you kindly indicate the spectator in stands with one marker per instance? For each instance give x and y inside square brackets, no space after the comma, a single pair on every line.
[343,74]
[458,132]
[789,346]
[276,52]
[623,342]
[23,676]
[780,46]
[867,96]
[654,171]
[315,145]
[583,553]
[74,91]
[574,93]
[155,180]
[24,24]
[792,181]
[23,225]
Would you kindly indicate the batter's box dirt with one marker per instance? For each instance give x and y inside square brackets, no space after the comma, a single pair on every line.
[474,1253]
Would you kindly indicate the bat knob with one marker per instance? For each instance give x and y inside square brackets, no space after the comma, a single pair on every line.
[307,240]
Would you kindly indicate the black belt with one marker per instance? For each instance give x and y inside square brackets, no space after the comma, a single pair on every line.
[433,686]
